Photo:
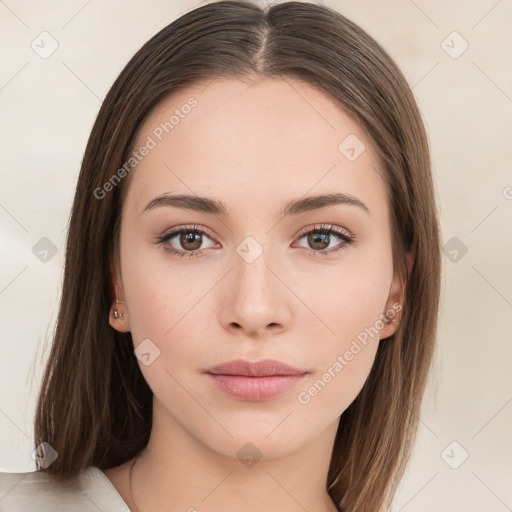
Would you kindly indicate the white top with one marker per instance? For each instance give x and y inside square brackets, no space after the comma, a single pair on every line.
[89,491]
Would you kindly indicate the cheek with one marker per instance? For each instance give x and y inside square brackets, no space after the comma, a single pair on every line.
[164,306]
[346,297]
[328,393]
[338,298]
[158,291]
[349,301]
[175,305]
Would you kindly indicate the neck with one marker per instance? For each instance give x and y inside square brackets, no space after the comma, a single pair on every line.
[175,472]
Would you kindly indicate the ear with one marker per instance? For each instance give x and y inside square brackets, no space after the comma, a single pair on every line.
[118,316]
[395,303]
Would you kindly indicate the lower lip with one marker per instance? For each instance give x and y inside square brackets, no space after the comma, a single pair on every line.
[256,389]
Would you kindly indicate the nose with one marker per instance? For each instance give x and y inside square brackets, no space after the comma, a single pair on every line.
[258,302]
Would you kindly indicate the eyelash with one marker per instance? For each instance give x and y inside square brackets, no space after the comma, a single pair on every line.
[325,229]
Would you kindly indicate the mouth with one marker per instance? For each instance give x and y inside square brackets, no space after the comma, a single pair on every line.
[255,382]
[264,368]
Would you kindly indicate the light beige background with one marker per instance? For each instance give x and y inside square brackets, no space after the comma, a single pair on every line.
[48,107]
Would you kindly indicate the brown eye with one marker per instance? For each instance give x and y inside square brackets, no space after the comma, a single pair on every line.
[318,241]
[320,238]
[185,241]
[190,241]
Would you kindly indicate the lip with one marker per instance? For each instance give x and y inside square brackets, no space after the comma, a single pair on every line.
[263,368]
[255,381]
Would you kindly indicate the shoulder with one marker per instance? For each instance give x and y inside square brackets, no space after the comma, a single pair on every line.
[90,490]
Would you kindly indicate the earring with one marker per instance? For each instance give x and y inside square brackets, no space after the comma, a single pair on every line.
[116,313]
[390,320]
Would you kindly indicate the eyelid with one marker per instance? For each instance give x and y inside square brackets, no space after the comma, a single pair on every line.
[188,227]
[301,233]
[327,227]
[346,236]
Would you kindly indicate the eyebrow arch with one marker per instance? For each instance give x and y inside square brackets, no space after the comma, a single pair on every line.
[293,207]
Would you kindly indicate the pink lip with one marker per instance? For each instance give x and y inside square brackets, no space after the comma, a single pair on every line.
[263,368]
[255,382]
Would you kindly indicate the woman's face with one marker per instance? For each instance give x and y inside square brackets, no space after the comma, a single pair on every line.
[261,282]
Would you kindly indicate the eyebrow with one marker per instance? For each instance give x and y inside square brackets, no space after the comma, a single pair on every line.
[293,207]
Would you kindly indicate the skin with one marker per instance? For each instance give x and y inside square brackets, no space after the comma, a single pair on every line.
[253,146]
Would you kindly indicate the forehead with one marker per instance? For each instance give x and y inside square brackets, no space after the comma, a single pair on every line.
[239,140]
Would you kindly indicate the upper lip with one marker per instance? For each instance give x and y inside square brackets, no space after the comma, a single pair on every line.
[264,368]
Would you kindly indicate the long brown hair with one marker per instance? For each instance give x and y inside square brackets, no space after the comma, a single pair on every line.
[94,407]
